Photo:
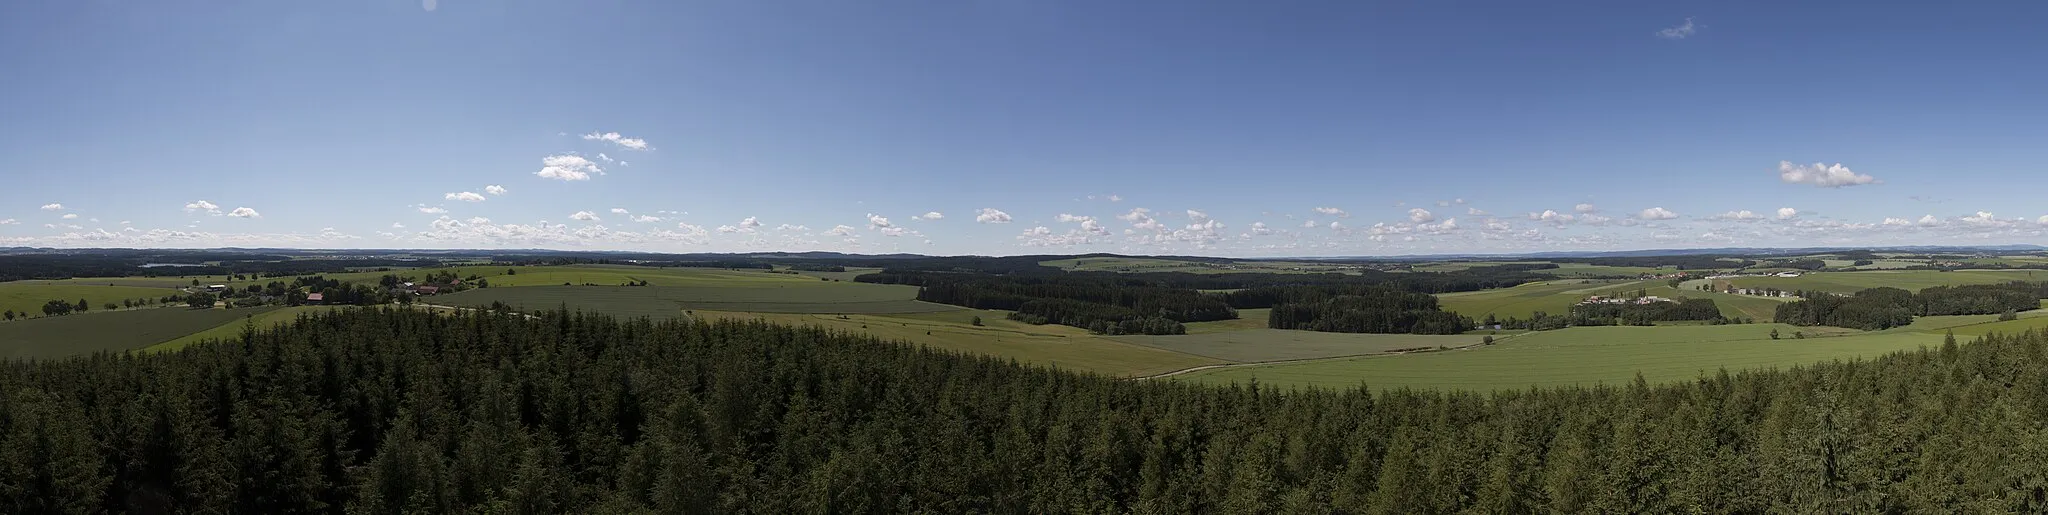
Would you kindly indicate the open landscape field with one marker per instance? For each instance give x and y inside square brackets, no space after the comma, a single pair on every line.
[809,296]
[1257,345]
[1142,265]
[1554,297]
[1581,356]
[1912,280]
[29,297]
[251,318]
[53,337]
[1050,345]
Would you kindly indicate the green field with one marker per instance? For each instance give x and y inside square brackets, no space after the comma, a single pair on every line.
[52,337]
[1554,297]
[1051,345]
[1751,306]
[1256,345]
[1914,280]
[1580,356]
[1586,270]
[670,301]
[1246,319]
[251,318]
[1143,264]
[29,296]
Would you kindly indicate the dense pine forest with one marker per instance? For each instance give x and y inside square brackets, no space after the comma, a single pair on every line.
[1883,308]
[383,411]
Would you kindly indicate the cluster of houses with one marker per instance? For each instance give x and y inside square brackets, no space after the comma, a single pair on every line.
[1758,292]
[1646,299]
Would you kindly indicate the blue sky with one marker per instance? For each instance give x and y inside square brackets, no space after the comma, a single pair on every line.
[1220,128]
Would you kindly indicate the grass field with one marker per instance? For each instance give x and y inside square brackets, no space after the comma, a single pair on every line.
[1140,264]
[1059,346]
[1246,319]
[1914,280]
[1586,270]
[1754,307]
[670,301]
[53,337]
[233,328]
[29,297]
[1255,345]
[1580,356]
[1554,297]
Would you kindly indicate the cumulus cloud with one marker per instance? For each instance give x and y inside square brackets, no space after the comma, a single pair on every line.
[933,215]
[1897,222]
[53,206]
[1680,31]
[1197,216]
[1473,211]
[788,227]
[1420,215]
[584,216]
[2043,220]
[727,229]
[1067,218]
[990,215]
[1822,175]
[1260,228]
[1116,198]
[878,222]
[1982,217]
[646,218]
[1786,213]
[1929,221]
[1740,216]
[396,225]
[494,189]
[1551,217]
[1657,213]
[202,206]
[465,196]
[751,223]
[1136,215]
[567,167]
[840,230]
[630,143]
[1308,224]
[619,211]
[243,212]
[1331,211]
[12,221]
[1585,208]
[70,216]
[605,158]
[432,210]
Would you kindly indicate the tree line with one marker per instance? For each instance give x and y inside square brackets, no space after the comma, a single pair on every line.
[1886,307]
[1632,313]
[385,411]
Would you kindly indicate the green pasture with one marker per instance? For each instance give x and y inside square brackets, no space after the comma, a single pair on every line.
[1586,270]
[29,296]
[1914,280]
[71,335]
[1246,319]
[808,296]
[260,320]
[1582,356]
[1523,301]
[1057,346]
[1256,345]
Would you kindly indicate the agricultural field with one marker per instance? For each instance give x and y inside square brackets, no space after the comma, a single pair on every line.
[53,337]
[1586,270]
[1246,319]
[809,296]
[1140,265]
[1582,356]
[29,296]
[1732,306]
[251,318]
[1914,280]
[848,275]
[1058,346]
[1257,345]
[1523,301]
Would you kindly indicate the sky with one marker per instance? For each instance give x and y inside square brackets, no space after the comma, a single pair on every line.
[1002,127]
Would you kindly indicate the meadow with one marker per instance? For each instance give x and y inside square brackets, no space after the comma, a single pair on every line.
[1913,280]
[1554,297]
[1258,345]
[806,296]
[29,297]
[1581,356]
[1058,346]
[263,320]
[53,337]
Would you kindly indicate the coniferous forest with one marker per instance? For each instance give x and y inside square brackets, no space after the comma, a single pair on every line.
[386,411]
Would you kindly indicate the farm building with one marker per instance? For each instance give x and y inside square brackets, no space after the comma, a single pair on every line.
[315,298]
[427,290]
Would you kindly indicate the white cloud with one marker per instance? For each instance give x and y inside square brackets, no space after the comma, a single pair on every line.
[990,215]
[1786,213]
[1091,226]
[933,215]
[567,167]
[1197,216]
[1585,208]
[494,189]
[466,196]
[727,229]
[1116,198]
[605,158]
[1657,213]
[1331,211]
[1307,224]
[432,210]
[1067,218]
[1336,225]
[243,212]
[396,225]
[1420,215]
[788,227]
[1443,203]
[892,231]
[70,216]
[1552,217]
[1822,175]
[840,230]
[750,223]
[584,216]
[1136,215]
[1681,31]
[1982,217]
[878,222]
[1895,222]
[201,205]
[53,206]
[479,220]
[1473,211]
[619,211]
[646,218]
[1740,216]
[12,221]
[1929,221]
[631,143]
[2042,221]
[1260,228]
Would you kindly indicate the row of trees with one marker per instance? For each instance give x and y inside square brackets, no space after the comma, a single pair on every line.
[1883,308]
[368,411]
[1632,313]
[1105,304]
[1369,309]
